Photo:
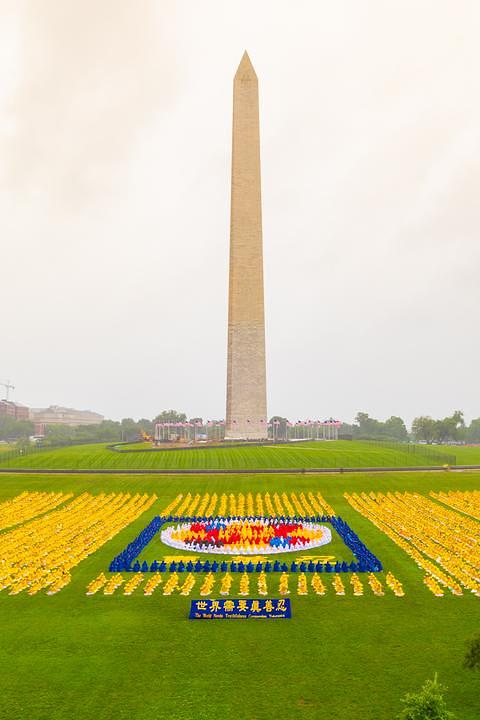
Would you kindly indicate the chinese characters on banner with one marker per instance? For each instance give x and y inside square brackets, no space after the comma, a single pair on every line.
[240,609]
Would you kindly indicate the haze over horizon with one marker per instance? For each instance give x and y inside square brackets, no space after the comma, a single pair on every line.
[115,137]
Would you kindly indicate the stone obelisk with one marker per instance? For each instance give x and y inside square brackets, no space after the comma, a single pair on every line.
[246,377]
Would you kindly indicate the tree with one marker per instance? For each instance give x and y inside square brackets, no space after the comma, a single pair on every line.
[106,431]
[424,428]
[373,429]
[11,429]
[279,431]
[428,704]
[472,656]
[395,428]
[448,429]
[146,425]
[363,421]
[459,419]
[130,430]
[368,427]
[472,433]
[348,431]
[59,434]
[170,416]
[451,427]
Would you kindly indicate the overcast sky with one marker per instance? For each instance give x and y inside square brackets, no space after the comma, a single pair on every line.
[115,132]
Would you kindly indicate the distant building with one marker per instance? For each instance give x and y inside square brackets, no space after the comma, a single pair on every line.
[14,410]
[56,415]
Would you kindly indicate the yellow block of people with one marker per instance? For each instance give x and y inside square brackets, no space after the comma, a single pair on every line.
[40,554]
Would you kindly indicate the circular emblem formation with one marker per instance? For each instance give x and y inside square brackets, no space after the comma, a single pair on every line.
[246,536]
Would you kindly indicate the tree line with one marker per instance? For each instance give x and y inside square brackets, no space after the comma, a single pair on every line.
[424,429]
[126,430]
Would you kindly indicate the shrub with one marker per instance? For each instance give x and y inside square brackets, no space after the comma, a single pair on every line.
[427,704]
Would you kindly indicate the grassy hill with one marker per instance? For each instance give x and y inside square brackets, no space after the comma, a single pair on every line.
[465,454]
[293,456]
[134,657]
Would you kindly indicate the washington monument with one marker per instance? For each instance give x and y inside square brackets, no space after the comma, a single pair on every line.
[246,417]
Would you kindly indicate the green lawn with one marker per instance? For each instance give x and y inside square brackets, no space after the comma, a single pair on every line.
[465,454]
[72,656]
[305,455]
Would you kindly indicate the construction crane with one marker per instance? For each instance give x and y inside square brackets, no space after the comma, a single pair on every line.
[8,386]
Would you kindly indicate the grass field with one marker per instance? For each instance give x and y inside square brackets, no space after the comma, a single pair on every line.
[305,455]
[72,656]
[465,454]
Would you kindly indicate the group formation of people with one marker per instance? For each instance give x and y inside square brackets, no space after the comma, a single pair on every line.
[375,584]
[287,511]
[433,585]
[175,583]
[246,536]
[239,566]
[40,554]
[124,560]
[241,505]
[444,543]
[29,505]
[48,534]
[366,560]
[395,585]
[466,502]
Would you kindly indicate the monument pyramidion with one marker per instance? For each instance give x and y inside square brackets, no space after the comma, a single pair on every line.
[246,417]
